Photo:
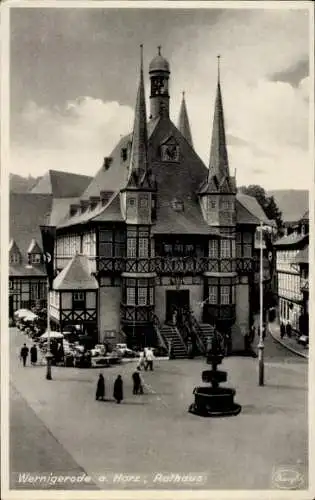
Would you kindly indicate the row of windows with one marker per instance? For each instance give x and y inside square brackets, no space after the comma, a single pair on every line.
[289,285]
[143,248]
[33,258]
[69,245]
[285,259]
[289,311]
[223,295]
[140,296]
[224,249]
[224,204]
[143,201]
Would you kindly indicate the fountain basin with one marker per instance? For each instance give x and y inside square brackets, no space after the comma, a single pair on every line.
[214,402]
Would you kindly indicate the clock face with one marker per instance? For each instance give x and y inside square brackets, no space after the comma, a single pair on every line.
[170,152]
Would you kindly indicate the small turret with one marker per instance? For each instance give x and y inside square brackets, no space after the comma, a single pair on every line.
[159,71]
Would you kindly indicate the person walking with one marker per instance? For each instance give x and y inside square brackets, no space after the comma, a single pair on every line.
[149,359]
[118,389]
[33,353]
[24,354]
[100,389]
[137,382]
[288,329]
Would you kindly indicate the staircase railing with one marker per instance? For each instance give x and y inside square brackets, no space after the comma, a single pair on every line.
[157,328]
[197,332]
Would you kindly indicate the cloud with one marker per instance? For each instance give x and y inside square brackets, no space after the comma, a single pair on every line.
[266,119]
[74,137]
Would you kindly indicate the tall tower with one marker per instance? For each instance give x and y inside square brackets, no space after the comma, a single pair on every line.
[159,71]
[183,122]
[219,191]
[138,282]
[217,197]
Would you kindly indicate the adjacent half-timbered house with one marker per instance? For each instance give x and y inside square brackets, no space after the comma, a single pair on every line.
[73,302]
[163,232]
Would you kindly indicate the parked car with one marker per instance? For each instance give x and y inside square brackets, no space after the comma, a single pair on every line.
[303,340]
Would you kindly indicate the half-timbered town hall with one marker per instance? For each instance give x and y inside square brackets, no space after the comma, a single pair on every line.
[157,237]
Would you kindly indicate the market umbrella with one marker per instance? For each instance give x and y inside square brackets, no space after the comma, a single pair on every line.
[30,317]
[53,335]
[20,313]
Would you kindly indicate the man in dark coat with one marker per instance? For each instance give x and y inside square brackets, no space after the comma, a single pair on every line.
[100,389]
[33,352]
[118,389]
[288,329]
[24,354]
[282,330]
[137,382]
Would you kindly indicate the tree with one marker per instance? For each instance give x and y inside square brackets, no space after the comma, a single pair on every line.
[267,203]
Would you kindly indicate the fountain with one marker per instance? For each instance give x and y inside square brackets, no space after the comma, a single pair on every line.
[214,401]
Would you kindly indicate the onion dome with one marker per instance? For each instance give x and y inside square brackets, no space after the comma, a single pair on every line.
[159,63]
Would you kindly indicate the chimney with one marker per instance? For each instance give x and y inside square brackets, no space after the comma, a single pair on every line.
[74,209]
[94,200]
[84,205]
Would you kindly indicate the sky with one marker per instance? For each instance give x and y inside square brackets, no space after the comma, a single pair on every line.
[74,77]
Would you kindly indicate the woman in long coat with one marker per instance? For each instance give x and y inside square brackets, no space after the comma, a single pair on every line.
[100,389]
[33,352]
[118,389]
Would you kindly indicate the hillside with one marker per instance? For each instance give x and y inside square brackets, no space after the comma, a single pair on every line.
[293,203]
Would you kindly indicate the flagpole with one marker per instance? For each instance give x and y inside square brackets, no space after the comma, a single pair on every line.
[48,353]
[261,338]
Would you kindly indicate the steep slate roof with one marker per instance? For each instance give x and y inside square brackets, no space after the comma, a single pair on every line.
[76,275]
[18,270]
[291,240]
[174,180]
[62,184]
[27,212]
[248,210]
[60,209]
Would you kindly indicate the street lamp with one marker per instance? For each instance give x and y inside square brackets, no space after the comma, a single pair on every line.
[261,313]
[48,353]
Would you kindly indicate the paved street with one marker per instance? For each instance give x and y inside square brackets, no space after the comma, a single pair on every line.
[154,433]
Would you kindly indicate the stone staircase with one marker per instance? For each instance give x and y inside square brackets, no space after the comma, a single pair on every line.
[171,334]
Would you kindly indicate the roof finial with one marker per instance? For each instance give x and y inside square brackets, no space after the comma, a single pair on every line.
[159,49]
[218,57]
[183,94]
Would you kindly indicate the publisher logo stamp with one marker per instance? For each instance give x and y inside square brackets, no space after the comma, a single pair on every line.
[288,477]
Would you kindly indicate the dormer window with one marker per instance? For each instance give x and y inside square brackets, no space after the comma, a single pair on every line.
[35,258]
[14,258]
[124,154]
[178,205]
[170,150]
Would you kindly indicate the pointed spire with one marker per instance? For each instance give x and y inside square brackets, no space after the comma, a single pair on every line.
[219,164]
[139,151]
[183,122]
